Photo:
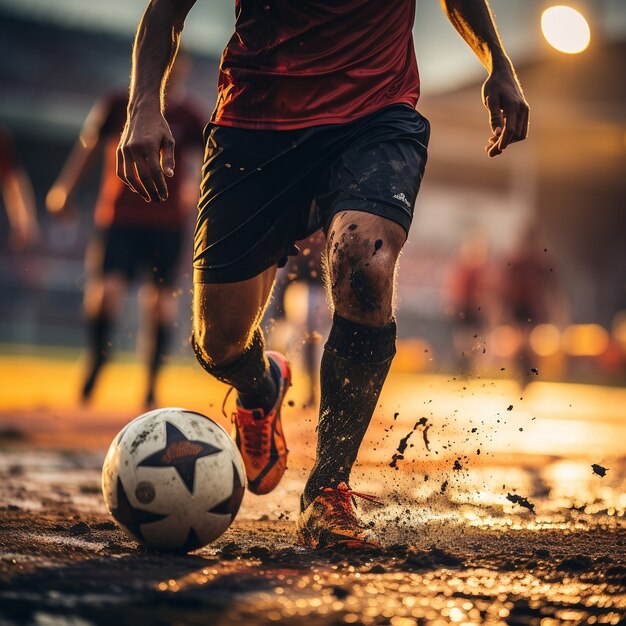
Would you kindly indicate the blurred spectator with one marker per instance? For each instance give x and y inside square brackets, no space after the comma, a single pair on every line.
[18,197]
[530,295]
[132,237]
[470,298]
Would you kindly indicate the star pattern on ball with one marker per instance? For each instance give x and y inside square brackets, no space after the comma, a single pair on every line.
[230,505]
[131,517]
[180,453]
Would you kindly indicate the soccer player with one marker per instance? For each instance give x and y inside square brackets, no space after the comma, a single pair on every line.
[131,237]
[315,127]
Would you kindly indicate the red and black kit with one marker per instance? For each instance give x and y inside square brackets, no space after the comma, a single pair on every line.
[315,114]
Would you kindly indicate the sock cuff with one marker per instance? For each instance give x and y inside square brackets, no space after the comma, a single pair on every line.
[358,342]
[254,353]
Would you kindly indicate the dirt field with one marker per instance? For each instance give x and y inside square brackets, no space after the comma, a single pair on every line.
[457,550]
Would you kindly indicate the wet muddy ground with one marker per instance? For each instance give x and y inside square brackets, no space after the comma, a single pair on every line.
[526,532]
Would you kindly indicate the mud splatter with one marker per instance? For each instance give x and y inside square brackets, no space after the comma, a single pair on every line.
[509,408]
[142,436]
[457,465]
[363,289]
[423,421]
[444,486]
[598,469]
[394,460]
[399,455]
[516,499]
[403,443]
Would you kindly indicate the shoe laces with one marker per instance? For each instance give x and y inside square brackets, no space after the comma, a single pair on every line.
[255,436]
[342,499]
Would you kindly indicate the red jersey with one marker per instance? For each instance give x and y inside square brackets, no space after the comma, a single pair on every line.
[292,64]
[7,156]
[117,204]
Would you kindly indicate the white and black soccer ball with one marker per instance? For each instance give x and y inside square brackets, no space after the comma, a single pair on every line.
[173,479]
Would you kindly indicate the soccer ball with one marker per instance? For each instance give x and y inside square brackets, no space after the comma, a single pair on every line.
[173,479]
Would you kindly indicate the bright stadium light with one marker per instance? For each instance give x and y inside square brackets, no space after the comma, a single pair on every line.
[565,29]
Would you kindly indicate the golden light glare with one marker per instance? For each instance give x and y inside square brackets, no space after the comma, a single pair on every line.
[585,340]
[565,29]
[545,339]
[505,341]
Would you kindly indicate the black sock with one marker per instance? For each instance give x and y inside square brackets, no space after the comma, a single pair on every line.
[251,375]
[354,367]
[160,341]
[98,333]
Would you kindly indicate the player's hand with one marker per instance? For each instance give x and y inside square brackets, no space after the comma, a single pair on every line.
[508,111]
[145,155]
[59,203]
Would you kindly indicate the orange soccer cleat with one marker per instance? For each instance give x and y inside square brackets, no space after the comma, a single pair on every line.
[260,437]
[330,521]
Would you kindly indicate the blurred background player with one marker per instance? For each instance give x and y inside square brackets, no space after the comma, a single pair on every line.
[470,294]
[298,314]
[530,294]
[132,237]
[17,196]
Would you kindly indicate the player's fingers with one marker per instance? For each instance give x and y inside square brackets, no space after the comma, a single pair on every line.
[494,150]
[130,176]
[509,130]
[493,139]
[495,113]
[157,179]
[146,177]
[125,169]
[167,156]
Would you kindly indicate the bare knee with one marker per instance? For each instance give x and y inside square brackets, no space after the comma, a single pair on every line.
[219,345]
[226,315]
[361,262]
[362,289]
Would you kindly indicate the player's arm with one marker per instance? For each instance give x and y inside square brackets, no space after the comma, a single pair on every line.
[145,154]
[80,160]
[502,93]
[19,201]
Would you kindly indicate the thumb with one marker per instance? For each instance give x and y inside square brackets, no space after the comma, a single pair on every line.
[495,114]
[167,156]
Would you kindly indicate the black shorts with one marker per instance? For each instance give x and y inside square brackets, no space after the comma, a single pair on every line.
[263,190]
[132,251]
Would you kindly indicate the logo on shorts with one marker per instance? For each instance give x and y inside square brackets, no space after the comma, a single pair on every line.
[402,198]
